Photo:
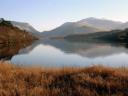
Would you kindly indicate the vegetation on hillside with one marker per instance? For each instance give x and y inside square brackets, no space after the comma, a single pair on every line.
[115,36]
[5,23]
[92,81]
[10,34]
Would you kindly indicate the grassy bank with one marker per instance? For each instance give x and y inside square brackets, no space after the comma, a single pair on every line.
[92,81]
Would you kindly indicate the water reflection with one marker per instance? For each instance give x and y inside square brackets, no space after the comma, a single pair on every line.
[8,51]
[61,53]
[87,49]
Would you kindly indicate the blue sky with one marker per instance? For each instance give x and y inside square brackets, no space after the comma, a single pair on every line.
[48,14]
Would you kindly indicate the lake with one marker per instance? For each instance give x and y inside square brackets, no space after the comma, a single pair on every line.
[63,53]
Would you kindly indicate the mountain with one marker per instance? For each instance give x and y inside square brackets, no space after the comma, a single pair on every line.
[10,34]
[101,23]
[26,27]
[88,25]
[123,26]
[71,28]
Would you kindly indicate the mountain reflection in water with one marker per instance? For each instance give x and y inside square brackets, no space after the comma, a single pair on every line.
[62,53]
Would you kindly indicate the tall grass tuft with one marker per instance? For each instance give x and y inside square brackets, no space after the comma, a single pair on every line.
[91,81]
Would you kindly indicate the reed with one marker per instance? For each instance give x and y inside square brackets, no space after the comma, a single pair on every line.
[91,81]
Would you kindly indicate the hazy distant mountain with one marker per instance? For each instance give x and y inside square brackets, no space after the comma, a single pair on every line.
[123,26]
[26,27]
[71,28]
[89,25]
[101,23]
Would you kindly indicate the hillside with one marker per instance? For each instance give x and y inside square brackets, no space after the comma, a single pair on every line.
[10,34]
[120,36]
[27,27]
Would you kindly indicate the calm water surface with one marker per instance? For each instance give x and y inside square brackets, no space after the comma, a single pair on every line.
[62,53]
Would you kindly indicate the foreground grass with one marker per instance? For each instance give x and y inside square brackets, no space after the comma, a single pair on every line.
[92,81]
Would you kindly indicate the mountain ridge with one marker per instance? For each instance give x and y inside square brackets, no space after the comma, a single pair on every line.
[84,26]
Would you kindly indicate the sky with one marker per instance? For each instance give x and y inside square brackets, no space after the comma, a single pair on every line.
[46,15]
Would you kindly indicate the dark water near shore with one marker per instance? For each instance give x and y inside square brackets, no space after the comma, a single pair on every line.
[62,53]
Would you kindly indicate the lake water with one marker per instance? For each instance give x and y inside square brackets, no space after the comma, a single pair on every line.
[62,53]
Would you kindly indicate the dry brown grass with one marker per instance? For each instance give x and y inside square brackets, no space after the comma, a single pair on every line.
[92,81]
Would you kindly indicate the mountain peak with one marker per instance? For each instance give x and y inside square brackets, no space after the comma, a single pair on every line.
[91,18]
[100,23]
[99,20]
